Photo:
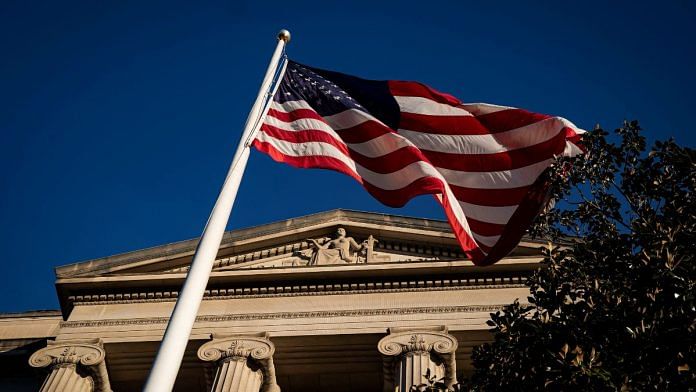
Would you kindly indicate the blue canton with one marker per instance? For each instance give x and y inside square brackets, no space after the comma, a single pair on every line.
[329,92]
[325,97]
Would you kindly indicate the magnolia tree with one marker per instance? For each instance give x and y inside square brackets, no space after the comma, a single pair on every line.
[613,306]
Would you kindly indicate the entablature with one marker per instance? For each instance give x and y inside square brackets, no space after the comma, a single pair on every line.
[302,281]
[334,252]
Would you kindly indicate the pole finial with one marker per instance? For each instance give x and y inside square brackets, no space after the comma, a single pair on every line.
[284,35]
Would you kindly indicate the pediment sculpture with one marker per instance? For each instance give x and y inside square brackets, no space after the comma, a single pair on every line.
[340,250]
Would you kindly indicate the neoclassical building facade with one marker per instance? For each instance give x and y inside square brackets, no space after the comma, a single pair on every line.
[335,301]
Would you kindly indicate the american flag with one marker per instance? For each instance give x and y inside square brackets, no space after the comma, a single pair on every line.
[483,163]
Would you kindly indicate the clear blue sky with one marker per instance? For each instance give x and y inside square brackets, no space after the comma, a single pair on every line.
[119,119]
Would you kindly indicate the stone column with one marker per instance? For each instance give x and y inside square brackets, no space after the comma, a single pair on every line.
[244,363]
[409,354]
[75,366]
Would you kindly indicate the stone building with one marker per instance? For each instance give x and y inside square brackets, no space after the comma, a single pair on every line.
[335,301]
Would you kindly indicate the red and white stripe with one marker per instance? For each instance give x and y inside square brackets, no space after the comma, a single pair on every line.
[483,162]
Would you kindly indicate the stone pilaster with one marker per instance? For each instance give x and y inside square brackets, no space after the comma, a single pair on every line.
[75,366]
[244,363]
[409,354]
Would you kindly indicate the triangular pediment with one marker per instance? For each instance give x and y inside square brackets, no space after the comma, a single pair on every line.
[376,239]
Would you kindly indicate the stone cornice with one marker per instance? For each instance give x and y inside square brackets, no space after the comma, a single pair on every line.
[293,281]
[507,266]
[34,314]
[288,315]
[307,288]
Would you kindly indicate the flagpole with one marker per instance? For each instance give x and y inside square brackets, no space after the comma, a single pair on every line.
[176,336]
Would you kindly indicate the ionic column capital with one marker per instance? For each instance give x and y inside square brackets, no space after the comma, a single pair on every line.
[257,348]
[221,347]
[402,342]
[88,355]
[405,341]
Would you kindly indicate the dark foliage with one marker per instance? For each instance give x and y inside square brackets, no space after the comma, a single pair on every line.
[614,306]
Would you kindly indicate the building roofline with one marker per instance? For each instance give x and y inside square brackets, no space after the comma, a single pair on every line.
[44,313]
[178,248]
[230,239]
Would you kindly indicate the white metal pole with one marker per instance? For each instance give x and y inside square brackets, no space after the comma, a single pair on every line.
[171,351]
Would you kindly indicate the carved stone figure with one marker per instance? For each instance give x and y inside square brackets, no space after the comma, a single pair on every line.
[340,250]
